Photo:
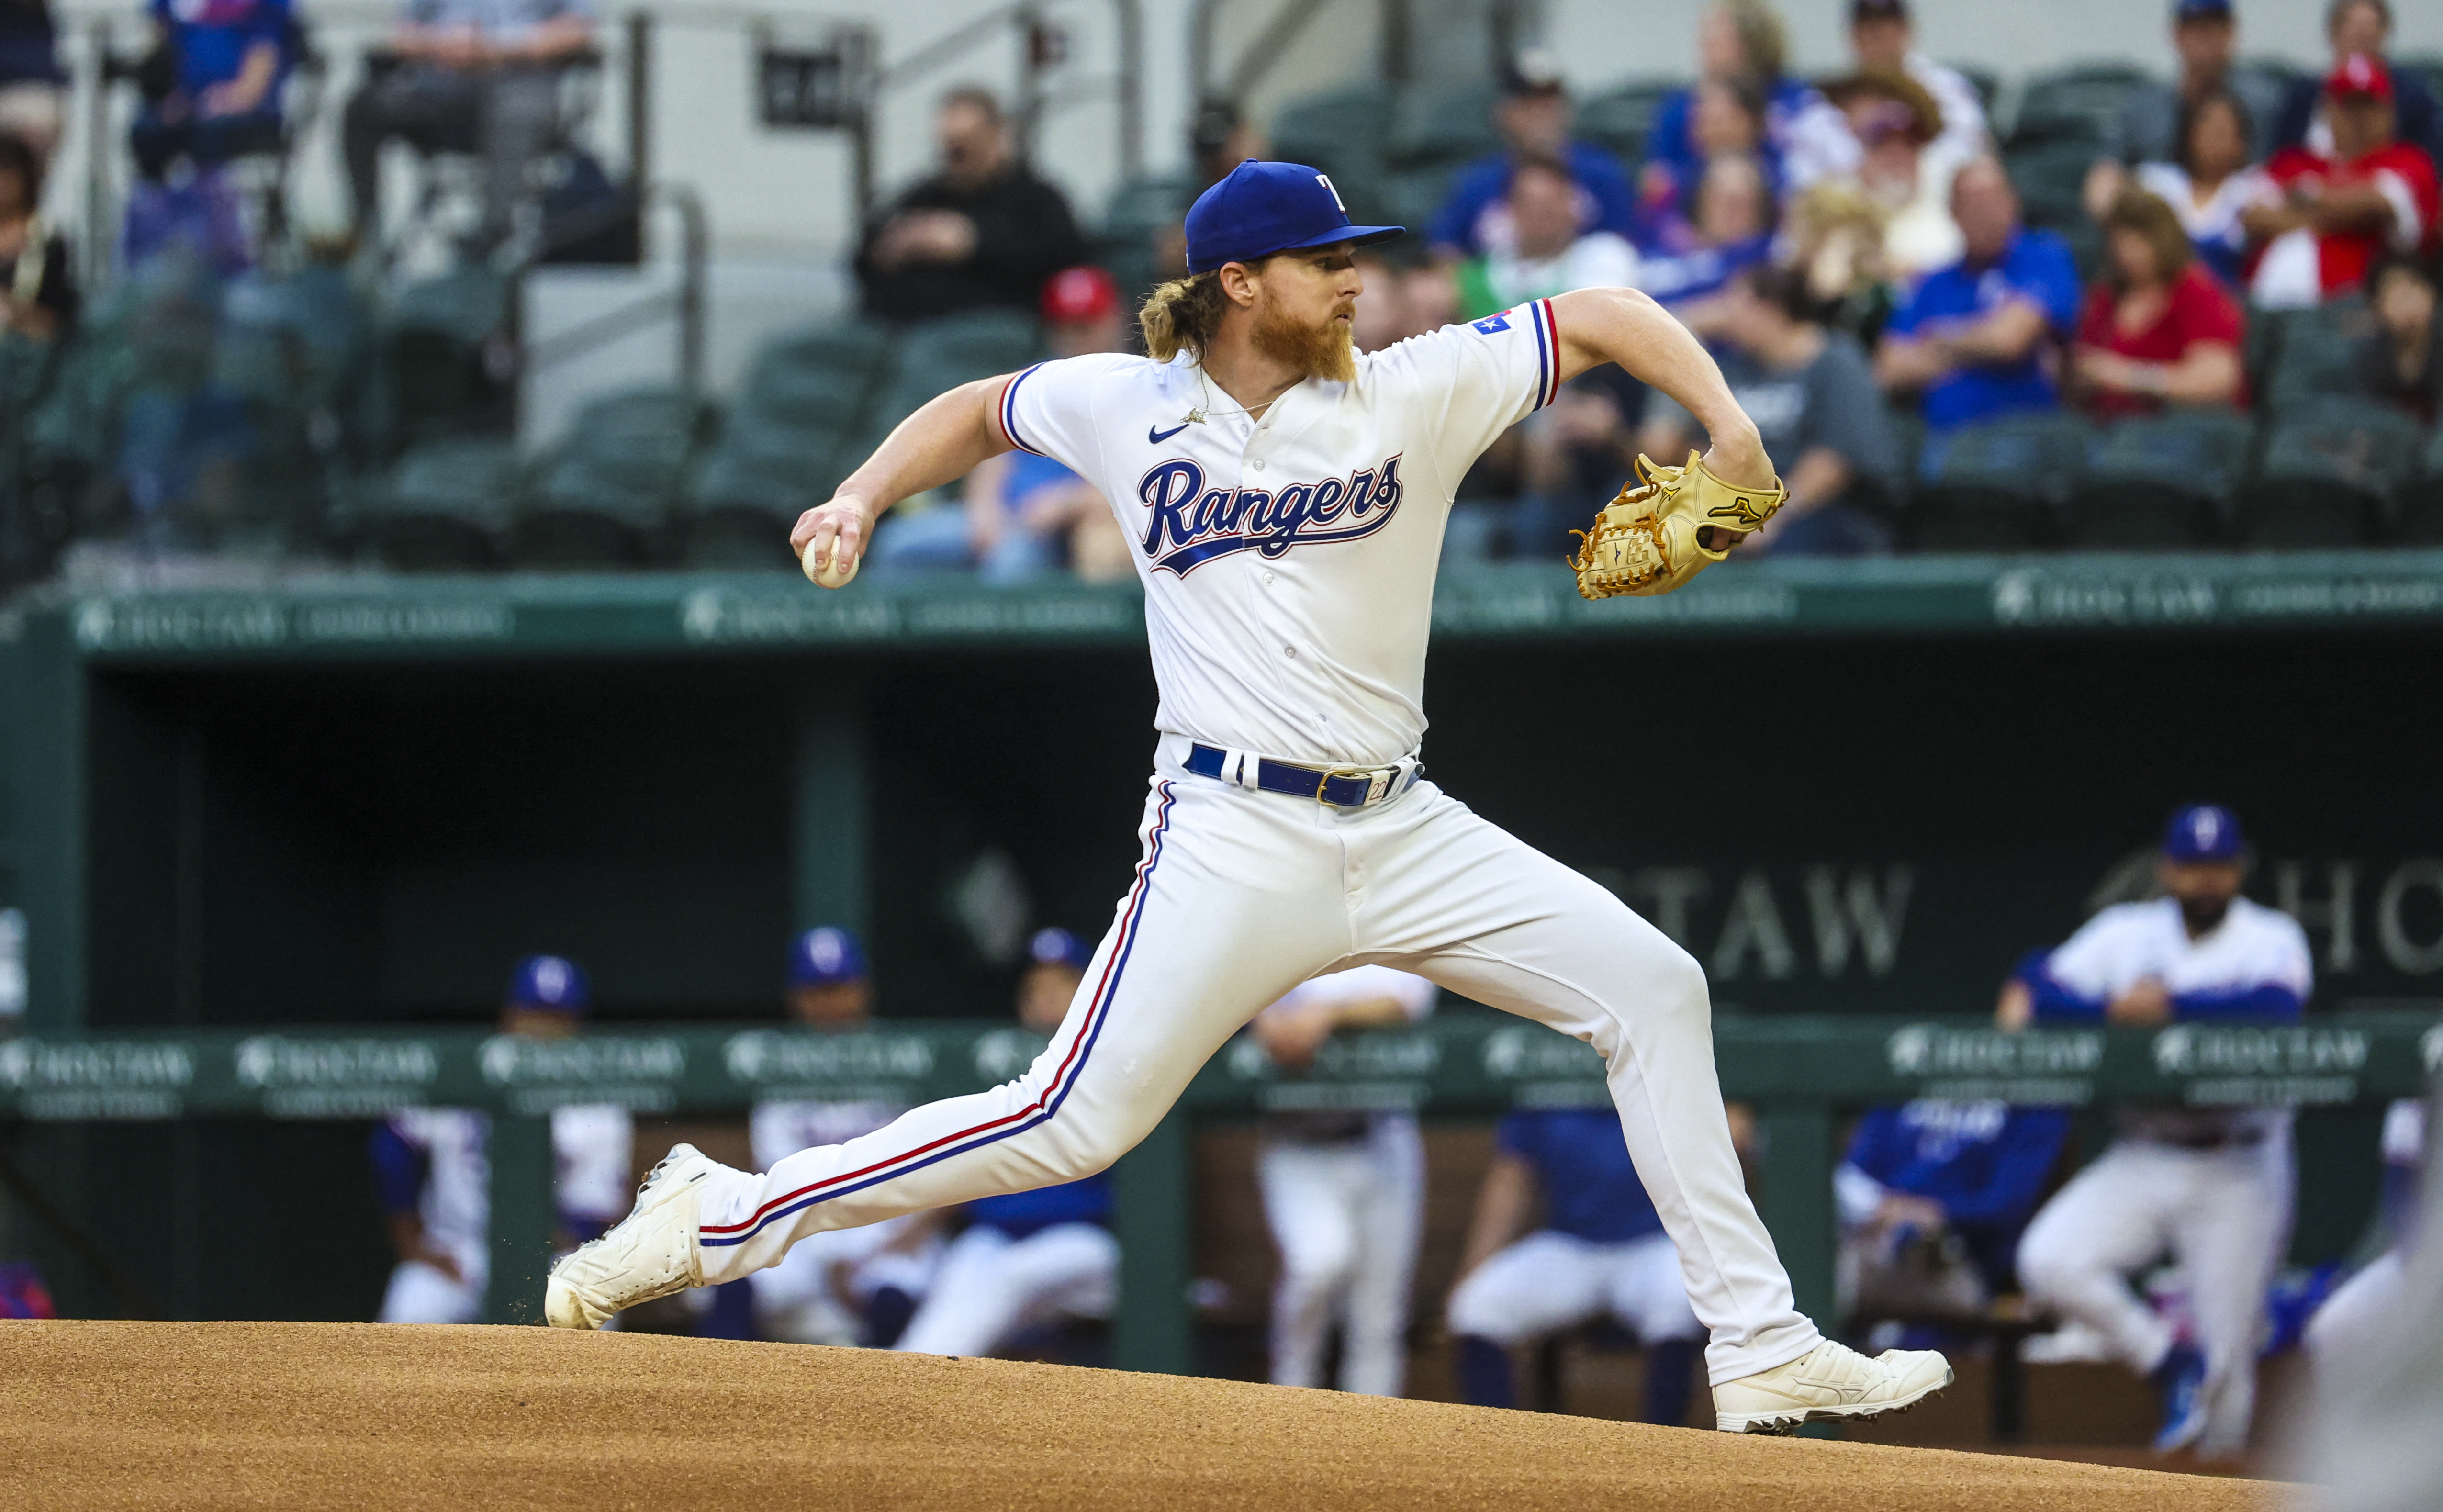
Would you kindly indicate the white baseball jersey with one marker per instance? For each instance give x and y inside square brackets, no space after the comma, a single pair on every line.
[592,1148]
[1289,561]
[2254,947]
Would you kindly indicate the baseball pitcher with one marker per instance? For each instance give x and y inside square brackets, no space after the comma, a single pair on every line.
[1285,496]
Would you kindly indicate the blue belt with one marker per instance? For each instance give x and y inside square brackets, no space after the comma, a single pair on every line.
[1341,788]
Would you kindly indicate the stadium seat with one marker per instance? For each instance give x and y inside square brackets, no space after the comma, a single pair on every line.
[1442,128]
[2331,472]
[1139,213]
[447,505]
[434,379]
[2050,175]
[603,497]
[1620,117]
[2317,354]
[2082,104]
[1344,133]
[1998,486]
[2162,481]
[1987,84]
[941,353]
[2419,519]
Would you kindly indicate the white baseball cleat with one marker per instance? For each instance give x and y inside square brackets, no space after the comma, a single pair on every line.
[1828,1382]
[649,1253]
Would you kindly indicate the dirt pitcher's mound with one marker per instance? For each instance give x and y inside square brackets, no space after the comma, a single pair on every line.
[368,1418]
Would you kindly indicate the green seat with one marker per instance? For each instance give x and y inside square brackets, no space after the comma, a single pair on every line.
[1999,485]
[741,497]
[1442,128]
[2333,468]
[938,355]
[445,506]
[2083,103]
[1619,117]
[2419,519]
[1343,132]
[2160,481]
[603,497]
[2318,357]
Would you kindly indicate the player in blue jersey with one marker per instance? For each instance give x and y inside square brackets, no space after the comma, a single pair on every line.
[1600,1251]
[2211,1187]
[1025,1257]
[1932,1198]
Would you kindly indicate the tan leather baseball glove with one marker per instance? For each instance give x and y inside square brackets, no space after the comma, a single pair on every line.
[1667,526]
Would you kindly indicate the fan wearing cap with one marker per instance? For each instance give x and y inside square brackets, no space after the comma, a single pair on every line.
[850,1286]
[1024,514]
[2342,210]
[1534,118]
[1284,497]
[434,1182]
[2354,28]
[2210,1188]
[1805,138]
[1882,40]
[1025,1259]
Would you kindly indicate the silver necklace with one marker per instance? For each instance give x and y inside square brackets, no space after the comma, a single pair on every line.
[1196,414]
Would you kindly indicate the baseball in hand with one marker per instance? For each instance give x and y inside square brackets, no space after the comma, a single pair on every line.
[828,573]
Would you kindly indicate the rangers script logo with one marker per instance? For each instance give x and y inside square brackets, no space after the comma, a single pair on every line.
[1192,525]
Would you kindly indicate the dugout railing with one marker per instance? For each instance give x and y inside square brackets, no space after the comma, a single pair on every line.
[1801,1075]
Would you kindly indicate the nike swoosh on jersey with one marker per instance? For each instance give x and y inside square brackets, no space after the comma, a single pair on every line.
[1158,437]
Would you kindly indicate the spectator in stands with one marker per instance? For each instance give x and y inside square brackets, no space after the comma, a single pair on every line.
[854,1285]
[1932,1197]
[2210,184]
[33,89]
[1533,119]
[434,1175]
[1733,227]
[1406,293]
[1548,253]
[1600,1253]
[984,231]
[1973,340]
[2359,28]
[1024,513]
[2211,1187]
[1906,168]
[2155,125]
[1812,393]
[478,76]
[215,94]
[2157,329]
[2402,361]
[1836,241]
[1804,137]
[2341,210]
[1726,122]
[1025,1257]
[39,297]
[1883,38]
[1220,138]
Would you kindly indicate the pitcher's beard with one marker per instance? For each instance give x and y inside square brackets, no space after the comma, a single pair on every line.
[1316,351]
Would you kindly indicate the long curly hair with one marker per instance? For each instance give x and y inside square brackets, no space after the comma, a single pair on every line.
[1183,313]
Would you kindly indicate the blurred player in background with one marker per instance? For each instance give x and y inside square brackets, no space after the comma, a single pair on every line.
[2358,1317]
[1599,1251]
[1025,1257]
[1344,1190]
[435,1176]
[1932,1198]
[2212,1187]
[854,1285]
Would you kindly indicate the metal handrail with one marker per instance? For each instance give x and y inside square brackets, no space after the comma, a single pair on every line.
[686,304]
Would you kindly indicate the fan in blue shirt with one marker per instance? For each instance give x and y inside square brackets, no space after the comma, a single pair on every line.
[1972,338]
[1533,119]
[1968,1169]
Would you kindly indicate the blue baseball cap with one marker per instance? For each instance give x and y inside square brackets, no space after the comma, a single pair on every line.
[2200,10]
[822,957]
[1059,948]
[551,982]
[2204,832]
[1265,207]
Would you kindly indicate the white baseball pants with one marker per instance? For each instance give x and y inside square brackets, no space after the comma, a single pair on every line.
[991,1286]
[1550,1281]
[2224,1214]
[1346,1218]
[1242,896]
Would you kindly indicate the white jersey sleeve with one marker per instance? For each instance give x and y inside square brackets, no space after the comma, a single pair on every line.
[2104,958]
[1468,383]
[1050,408]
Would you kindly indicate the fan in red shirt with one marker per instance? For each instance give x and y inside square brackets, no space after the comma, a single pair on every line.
[2343,210]
[2159,329]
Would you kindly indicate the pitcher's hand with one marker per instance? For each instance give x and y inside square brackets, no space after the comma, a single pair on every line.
[845,519]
